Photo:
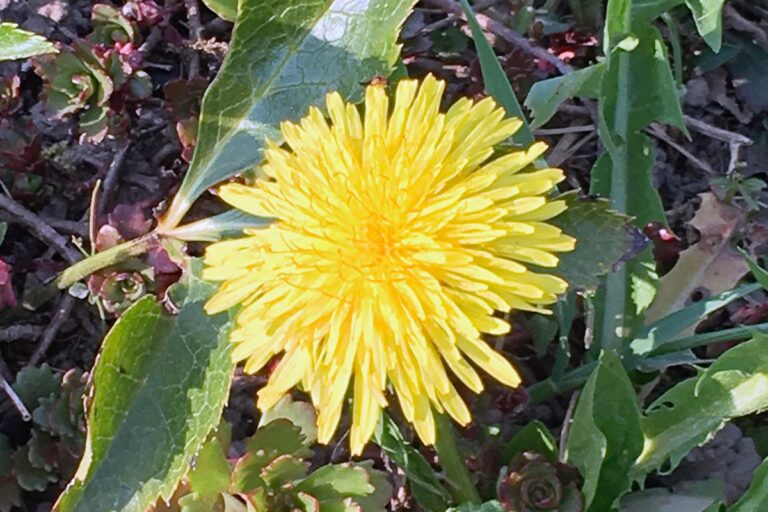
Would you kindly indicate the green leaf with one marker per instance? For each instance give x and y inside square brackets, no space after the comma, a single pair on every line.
[603,238]
[226,9]
[588,13]
[605,436]
[452,461]
[36,383]
[224,225]
[647,10]
[658,334]
[3,229]
[708,17]
[496,81]
[759,273]
[547,95]
[344,479]
[210,474]
[16,43]
[283,470]
[378,500]
[637,89]
[694,410]
[279,437]
[533,437]
[285,55]
[424,485]
[300,414]
[159,385]
[756,497]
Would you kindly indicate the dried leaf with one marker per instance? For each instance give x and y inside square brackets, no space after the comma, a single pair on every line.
[710,266]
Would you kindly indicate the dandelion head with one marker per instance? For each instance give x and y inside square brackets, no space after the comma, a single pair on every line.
[398,233]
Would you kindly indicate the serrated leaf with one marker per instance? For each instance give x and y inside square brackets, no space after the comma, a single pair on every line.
[210,474]
[285,55]
[16,43]
[36,383]
[279,437]
[547,95]
[284,470]
[424,484]
[690,413]
[159,385]
[378,500]
[343,479]
[301,414]
[603,238]
[605,436]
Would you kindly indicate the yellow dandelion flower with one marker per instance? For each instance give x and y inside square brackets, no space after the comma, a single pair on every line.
[397,235]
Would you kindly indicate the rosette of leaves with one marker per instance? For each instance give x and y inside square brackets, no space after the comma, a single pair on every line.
[274,474]
[93,76]
[55,440]
[531,483]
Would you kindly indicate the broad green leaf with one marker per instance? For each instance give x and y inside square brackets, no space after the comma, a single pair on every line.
[547,95]
[226,9]
[452,461]
[496,81]
[603,239]
[708,17]
[647,10]
[285,55]
[344,479]
[690,413]
[224,225]
[605,436]
[210,473]
[533,437]
[159,385]
[16,43]
[756,497]
[378,500]
[423,483]
[301,414]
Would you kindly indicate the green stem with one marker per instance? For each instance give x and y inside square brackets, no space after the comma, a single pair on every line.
[452,461]
[743,332]
[98,261]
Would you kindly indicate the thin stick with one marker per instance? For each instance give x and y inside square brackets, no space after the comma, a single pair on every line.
[110,180]
[660,134]
[38,226]
[15,400]
[567,421]
[717,133]
[504,32]
[62,314]
[196,33]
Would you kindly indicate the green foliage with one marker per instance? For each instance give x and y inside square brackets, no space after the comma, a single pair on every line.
[756,497]
[547,95]
[154,368]
[82,77]
[496,81]
[605,437]
[16,43]
[273,475]
[284,57]
[694,410]
[56,440]
[226,9]
[533,437]
[604,238]
[424,484]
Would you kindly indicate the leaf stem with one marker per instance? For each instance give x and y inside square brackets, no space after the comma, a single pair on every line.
[98,261]
[452,461]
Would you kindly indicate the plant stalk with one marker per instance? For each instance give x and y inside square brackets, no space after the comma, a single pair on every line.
[452,461]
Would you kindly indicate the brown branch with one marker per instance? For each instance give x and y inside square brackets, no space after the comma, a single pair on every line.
[63,312]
